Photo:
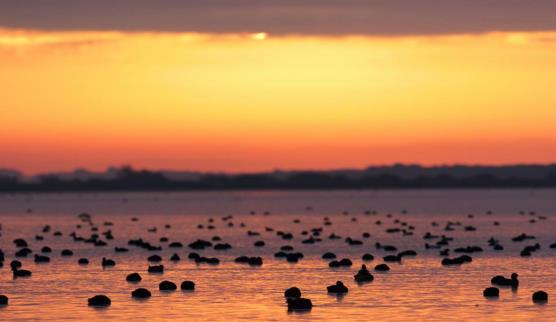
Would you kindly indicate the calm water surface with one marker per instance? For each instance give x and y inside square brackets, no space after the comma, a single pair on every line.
[418,289]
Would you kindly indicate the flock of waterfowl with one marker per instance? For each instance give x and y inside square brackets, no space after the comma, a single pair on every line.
[101,235]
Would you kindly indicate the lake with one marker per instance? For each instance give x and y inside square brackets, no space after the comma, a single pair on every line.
[418,288]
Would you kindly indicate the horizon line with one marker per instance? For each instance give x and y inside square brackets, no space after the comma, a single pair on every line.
[278,169]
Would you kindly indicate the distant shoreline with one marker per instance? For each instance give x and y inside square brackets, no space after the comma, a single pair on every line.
[45,192]
[396,177]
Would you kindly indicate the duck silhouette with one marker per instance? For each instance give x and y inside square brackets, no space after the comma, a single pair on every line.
[99,300]
[15,264]
[187,286]
[367,257]
[23,252]
[292,292]
[20,242]
[20,273]
[299,304]
[491,292]
[167,286]
[41,259]
[500,280]
[252,261]
[392,258]
[363,275]
[106,262]
[338,288]
[141,293]
[156,269]
[133,277]
[457,260]
[328,255]
[382,268]
[540,297]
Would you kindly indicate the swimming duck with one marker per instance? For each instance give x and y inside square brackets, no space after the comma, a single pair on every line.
[141,293]
[338,288]
[292,292]
[491,292]
[540,297]
[41,259]
[382,268]
[99,300]
[367,257]
[363,275]
[167,286]
[156,269]
[299,304]
[106,262]
[502,281]
[20,273]
[133,277]
[187,286]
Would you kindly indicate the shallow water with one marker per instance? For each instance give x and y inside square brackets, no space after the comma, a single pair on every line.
[419,289]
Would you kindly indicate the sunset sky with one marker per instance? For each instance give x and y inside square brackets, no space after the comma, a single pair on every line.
[259,85]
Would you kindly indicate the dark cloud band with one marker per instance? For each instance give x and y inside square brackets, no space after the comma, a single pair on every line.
[327,17]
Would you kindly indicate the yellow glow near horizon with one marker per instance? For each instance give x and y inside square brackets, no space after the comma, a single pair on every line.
[260,36]
[234,102]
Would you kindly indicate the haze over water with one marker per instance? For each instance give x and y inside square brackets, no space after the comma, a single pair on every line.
[418,289]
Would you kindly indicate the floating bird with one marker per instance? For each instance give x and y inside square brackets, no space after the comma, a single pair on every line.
[133,277]
[187,286]
[99,300]
[141,293]
[167,286]
[363,275]
[299,304]
[491,292]
[540,297]
[106,262]
[292,292]
[338,288]
[500,280]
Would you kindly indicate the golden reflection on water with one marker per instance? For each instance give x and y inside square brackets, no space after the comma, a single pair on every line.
[419,289]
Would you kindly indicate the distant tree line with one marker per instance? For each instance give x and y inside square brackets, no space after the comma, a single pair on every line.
[128,179]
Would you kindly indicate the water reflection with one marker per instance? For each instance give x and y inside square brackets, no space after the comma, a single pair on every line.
[418,288]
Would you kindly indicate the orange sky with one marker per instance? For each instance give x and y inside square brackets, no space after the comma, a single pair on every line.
[249,102]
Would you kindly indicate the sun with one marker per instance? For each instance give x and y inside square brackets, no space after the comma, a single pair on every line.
[259,36]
